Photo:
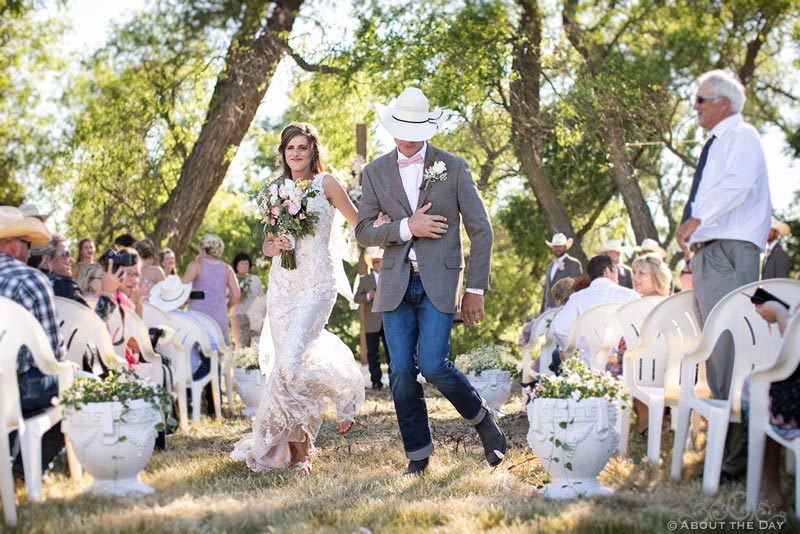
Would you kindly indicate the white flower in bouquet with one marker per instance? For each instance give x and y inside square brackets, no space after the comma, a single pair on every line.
[577,381]
[487,357]
[246,358]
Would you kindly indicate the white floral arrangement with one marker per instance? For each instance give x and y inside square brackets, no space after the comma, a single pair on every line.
[246,357]
[487,357]
[437,172]
[577,381]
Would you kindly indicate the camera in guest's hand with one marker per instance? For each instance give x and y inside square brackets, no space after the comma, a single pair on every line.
[118,259]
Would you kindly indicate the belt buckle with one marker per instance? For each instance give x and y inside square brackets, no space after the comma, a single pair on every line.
[414,266]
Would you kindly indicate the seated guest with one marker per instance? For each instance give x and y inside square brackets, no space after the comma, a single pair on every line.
[31,289]
[603,289]
[86,256]
[166,258]
[614,250]
[561,291]
[90,280]
[124,241]
[150,271]
[57,263]
[784,416]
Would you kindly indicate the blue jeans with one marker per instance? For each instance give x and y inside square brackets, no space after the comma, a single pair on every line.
[419,342]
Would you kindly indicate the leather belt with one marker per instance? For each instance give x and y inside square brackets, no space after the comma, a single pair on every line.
[694,247]
[414,266]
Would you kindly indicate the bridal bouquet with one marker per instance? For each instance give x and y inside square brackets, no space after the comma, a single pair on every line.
[283,204]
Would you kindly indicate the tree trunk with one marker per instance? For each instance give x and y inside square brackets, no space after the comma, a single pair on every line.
[613,129]
[252,58]
[526,126]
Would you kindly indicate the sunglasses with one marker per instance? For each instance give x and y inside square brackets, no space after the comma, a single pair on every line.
[686,272]
[702,99]
[28,243]
[67,254]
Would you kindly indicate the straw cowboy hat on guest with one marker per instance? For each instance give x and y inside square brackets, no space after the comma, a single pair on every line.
[408,117]
[372,253]
[13,223]
[559,240]
[650,245]
[612,245]
[170,294]
[779,226]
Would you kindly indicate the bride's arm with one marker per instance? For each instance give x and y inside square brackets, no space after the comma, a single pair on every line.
[339,198]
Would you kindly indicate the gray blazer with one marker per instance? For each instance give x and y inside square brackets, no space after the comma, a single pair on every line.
[441,261]
[777,264]
[373,322]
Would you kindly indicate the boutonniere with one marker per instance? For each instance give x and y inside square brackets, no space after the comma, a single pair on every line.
[435,173]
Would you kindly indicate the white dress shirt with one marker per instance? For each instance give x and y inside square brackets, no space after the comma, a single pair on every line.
[601,291]
[733,200]
[557,263]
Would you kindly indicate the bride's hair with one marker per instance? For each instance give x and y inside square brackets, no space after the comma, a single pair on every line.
[290,132]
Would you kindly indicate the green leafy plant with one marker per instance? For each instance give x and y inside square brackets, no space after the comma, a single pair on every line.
[245,358]
[487,357]
[123,387]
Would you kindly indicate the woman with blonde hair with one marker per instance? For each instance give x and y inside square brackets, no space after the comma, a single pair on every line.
[216,280]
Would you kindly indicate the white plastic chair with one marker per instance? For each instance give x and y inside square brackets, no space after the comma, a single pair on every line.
[225,350]
[178,356]
[759,428]
[131,326]
[20,328]
[651,368]
[755,343]
[625,322]
[586,333]
[540,327]
[189,332]
[82,328]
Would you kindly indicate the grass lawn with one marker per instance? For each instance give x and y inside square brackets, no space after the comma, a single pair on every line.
[356,487]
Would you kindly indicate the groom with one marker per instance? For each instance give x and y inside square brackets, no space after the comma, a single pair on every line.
[427,193]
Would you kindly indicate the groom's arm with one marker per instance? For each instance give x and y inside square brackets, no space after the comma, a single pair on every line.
[479,229]
[368,210]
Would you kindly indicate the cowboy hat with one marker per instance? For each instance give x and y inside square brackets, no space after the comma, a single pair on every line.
[781,227]
[611,245]
[169,294]
[651,245]
[559,240]
[409,119]
[29,209]
[13,223]
[372,253]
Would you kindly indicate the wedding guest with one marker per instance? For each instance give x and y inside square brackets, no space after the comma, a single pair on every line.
[90,280]
[150,272]
[210,275]
[650,246]
[776,260]
[86,255]
[166,258]
[613,249]
[373,322]
[725,224]
[562,266]
[250,291]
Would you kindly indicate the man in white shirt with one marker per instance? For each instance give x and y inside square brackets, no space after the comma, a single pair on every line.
[604,289]
[725,224]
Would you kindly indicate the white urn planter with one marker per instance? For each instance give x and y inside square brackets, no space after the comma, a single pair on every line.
[114,452]
[493,385]
[574,441]
[249,386]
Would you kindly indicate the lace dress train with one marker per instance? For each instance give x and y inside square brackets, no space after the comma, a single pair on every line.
[309,366]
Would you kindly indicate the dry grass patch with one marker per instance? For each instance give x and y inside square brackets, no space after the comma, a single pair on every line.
[356,487]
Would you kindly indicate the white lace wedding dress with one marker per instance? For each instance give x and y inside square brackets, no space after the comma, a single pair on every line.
[309,364]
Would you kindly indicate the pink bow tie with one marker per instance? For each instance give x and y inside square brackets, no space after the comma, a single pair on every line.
[416,159]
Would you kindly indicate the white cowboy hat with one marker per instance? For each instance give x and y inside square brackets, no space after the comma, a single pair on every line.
[29,209]
[13,223]
[780,226]
[612,245]
[372,253]
[559,240]
[409,119]
[169,294]
[651,245]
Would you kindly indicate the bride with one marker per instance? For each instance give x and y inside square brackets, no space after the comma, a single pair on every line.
[310,364]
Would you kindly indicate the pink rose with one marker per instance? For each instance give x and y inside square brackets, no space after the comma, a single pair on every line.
[275,211]
[301,216]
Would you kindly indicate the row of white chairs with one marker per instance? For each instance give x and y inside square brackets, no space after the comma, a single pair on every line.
[665,365]
[83,330]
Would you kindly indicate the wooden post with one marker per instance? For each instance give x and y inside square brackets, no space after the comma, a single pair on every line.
[361,154]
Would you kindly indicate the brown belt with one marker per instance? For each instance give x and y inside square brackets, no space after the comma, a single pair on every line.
[414,266]
[694,247]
